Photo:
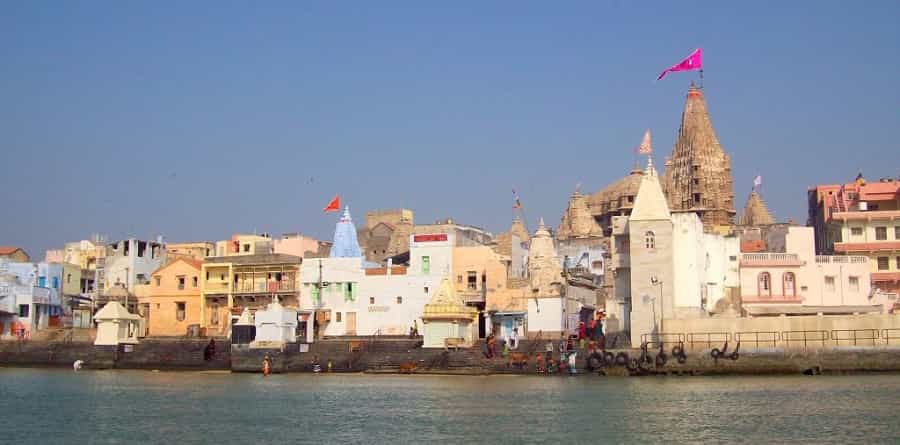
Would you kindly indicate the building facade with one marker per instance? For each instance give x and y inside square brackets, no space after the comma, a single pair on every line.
[170,303]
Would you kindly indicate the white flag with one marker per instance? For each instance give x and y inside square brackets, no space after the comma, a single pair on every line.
[757,181]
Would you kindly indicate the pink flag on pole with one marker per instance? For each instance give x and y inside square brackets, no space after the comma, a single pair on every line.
[693,62]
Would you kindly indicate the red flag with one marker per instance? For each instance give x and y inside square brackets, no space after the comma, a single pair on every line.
[693,62]
[334,205]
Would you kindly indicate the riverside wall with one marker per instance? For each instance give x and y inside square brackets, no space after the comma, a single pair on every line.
[394,355]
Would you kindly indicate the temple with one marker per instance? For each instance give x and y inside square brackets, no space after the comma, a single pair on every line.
[345,242]
[755,212]
[698,174]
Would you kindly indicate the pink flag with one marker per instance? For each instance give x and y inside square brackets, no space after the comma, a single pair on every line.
[693,62]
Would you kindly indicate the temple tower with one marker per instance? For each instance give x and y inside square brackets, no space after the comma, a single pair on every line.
[698,174]
[755,212]
[345,242]
[577,221]
[544,269]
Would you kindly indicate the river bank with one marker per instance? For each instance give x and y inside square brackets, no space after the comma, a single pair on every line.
[407,357]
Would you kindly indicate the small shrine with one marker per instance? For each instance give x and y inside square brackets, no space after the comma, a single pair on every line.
[115,325]
[448,321]
[275,325]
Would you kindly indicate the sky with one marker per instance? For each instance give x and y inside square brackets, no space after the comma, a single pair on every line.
[195,120]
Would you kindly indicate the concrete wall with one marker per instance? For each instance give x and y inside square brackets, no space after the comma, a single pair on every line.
[647,299]
[545,315]
[775,328]
[301,246]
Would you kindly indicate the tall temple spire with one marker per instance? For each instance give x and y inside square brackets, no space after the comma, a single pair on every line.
[698,174]
[650,203]
[577,220]
[755,212]
[544,268]
[345,244]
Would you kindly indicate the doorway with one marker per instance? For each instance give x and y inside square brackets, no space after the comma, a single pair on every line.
[351,323]
[482,327]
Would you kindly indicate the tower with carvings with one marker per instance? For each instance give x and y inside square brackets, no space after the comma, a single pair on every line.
[698,173]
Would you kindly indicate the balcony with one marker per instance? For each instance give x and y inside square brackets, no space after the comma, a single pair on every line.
[880,215]
[841,259]
[260,287]
[216,288]
[871,246]
[473,296]
[770,259]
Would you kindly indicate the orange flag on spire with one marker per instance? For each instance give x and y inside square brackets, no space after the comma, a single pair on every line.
[334,205]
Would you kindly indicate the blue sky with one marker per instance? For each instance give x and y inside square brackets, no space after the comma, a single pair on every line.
[198,119]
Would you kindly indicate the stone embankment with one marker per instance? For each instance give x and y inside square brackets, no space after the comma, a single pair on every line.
[393,355]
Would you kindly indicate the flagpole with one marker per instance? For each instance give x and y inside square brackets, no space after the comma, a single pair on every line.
[701,78]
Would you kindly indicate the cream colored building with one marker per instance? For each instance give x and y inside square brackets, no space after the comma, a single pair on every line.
[196,250]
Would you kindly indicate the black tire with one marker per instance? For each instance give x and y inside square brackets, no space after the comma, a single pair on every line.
[734,356]
[661,359]
[595,361]
[681,359]
[677,351]
[622,359]
[715,353]
[609,357]
[633,365]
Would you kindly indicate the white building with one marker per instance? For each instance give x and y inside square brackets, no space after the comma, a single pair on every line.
[29,297]
[352,297]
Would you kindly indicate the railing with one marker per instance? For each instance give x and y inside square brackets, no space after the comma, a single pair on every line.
[265,286]
[216,287]
[770,257]
[890,334]
[474,296]
[707,339]
[804,336]
[757,338]
[854,335]
[841,259]
[663,338]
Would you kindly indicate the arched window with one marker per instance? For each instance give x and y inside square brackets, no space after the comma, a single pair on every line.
[765,284]
[650,240]
[788,284]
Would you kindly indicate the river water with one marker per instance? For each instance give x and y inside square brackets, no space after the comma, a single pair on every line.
[58,406]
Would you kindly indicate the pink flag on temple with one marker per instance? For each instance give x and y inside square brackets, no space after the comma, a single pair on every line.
[693,62]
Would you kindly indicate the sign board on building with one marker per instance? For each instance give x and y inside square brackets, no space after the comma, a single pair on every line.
[430,238]
[379,308]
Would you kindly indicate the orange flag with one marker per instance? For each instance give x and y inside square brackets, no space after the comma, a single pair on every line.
[334,205]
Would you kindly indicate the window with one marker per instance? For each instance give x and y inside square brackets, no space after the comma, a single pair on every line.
[56,282]
[142,278]
[42,281]
[829,283]
[399,300]
[207,275]
[788,284]
[898,263]
[897,233]
[764,284]
[732,258]
[696,198]
[194,281]
[68,278]
[883,263]
[650,240]
[222,277]
[854,284]
[214,315]
[179,311]
[371,300]
[337,317]
[426,289]
[856,231]
[157,280]
[23,310]
[181,282]
[881,233]
[472,280]
[426,265]
[696,181]
[246,247]
[349,291]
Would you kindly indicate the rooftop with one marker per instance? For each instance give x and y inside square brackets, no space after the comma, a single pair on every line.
[267,258]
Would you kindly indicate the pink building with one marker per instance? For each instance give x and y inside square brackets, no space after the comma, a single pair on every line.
[797,281]
[301,246]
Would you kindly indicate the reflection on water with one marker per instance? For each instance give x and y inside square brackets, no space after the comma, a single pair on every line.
[54,406]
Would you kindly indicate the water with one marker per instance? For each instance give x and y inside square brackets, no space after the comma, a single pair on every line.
[57,406]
